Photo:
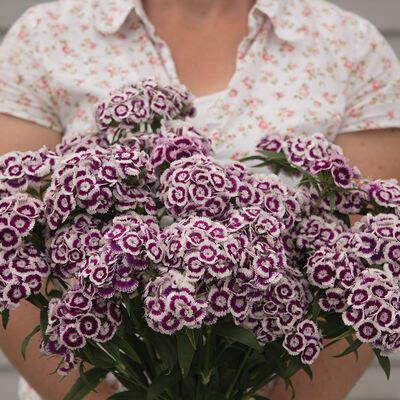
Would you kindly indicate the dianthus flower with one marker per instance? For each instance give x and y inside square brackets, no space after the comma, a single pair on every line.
[171,303]
[138,107]
[202,186]
[374,311]
[75,318]
[19,170]
[130,244]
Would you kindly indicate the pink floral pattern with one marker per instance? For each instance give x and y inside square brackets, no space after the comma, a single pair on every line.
[305,66]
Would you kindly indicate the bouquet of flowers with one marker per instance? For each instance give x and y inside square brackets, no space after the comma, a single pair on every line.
[186,278]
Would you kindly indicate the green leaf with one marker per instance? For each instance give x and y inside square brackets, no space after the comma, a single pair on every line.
[333,326]
[306,368]
[43,189]
[215,396]
[384,362]
[161,384]
[82,374]
[350,341]
[142,352]
[351,349]
[316,310]
[139,394]
[185,352]
[127,302]
[25,342]
[260,397]
[331,194]
[81,388]
[346,334]
[252,158]
[33,192]
[294,365]
[55,293]
[92,354]
[192,336]
[43,324]
[5,316]
[165,347]
[343,217]
[128,349]
[227,376]
[237,334]
[273,154]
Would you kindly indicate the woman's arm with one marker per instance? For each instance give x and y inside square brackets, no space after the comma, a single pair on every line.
[20,135]
[376,153]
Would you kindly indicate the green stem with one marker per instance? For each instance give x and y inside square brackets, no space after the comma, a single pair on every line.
[205,377]
[124,368]
[38,300]
[198,386]
[260,385]
[149,349]
[232,386]
[320,198]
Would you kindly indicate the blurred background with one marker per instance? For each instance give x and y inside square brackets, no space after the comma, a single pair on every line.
[385,14]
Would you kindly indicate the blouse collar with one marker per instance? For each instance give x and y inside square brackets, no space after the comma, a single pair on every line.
[287,16]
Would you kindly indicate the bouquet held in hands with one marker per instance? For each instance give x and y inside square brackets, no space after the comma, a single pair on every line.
[187,278]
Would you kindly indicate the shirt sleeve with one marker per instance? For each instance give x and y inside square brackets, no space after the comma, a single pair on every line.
[373,89]
[24,84]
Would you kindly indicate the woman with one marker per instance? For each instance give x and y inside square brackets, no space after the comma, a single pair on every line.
[295,66]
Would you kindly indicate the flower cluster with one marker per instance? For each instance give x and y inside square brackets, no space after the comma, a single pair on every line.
[380,241]
[235,269]
[75,318]
[99,180]
[374,311]
[201,186]
[177,140]
[20,170]
[384,193]
[313,154]
[22,266]
[71,245]
[305,341]
[171,303]
[131,244]
[198,246]
[139,107]
[82,142]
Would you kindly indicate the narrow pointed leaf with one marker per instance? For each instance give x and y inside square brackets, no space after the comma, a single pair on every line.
[25,342]
[80,389]
[351,349]
[43,324]
[332,201]
[139,394]
[384,362]
[185,353]
[128,349]
[162,383]
[237,334]
[5,316]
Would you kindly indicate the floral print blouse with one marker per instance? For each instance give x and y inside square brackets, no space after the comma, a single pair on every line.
[305,66]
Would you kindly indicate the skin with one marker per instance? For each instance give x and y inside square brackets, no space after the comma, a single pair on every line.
[190,29]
